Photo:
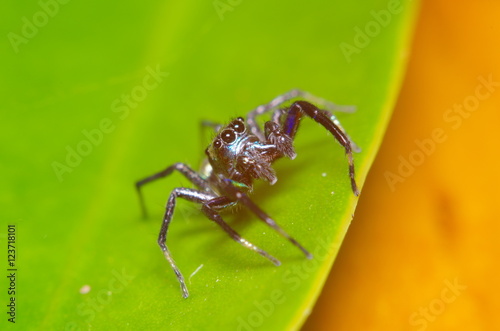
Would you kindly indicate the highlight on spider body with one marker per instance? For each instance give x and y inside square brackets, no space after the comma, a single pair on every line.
[242,152]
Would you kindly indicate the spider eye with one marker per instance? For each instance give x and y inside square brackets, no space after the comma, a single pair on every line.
[239,125]
[228,136]
[217,144]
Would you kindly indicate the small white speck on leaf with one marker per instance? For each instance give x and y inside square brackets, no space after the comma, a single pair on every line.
[85,289]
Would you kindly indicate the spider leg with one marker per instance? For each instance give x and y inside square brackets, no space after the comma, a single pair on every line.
[291,124]
[210,204]
[184,169]
[290,95]
[238,195]
[355,148]
[209,124]
[190,195]
[210,208]
[262,109]
[326,104]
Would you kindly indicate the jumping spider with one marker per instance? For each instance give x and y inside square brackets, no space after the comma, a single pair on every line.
[241,153]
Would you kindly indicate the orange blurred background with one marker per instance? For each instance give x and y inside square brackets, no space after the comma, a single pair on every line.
[423,250]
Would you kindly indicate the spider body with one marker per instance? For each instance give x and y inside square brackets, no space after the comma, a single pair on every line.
[241,156]
[241,153]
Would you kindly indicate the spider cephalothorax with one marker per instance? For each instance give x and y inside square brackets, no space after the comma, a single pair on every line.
[241,153]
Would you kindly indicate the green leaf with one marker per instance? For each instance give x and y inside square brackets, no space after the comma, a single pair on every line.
[98,95]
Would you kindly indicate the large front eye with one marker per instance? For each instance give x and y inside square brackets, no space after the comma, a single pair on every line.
[238,125]
[228,136]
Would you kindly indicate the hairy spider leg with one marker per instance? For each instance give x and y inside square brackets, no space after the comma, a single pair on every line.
[190,195]
[290,95]
[209,205]
[184,169]
[291,123]
[236,194]
[210,208]
[354,146]
[209,124]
